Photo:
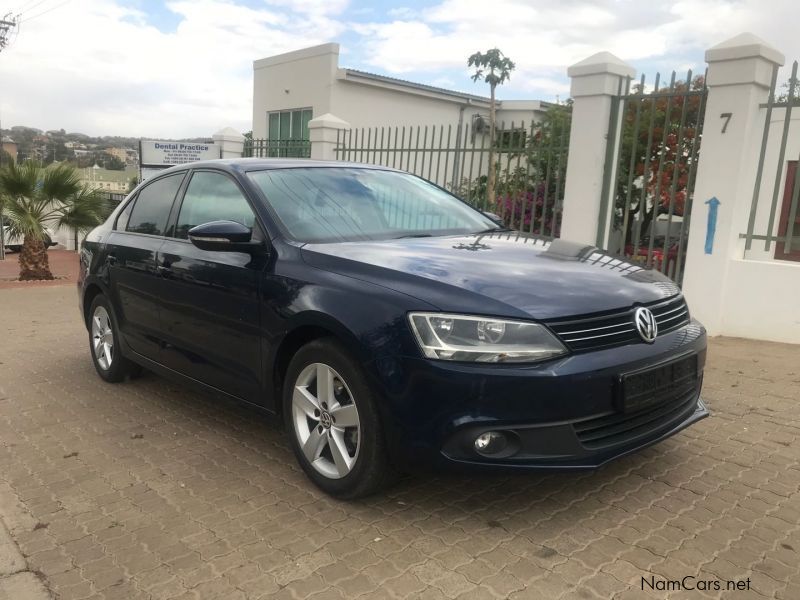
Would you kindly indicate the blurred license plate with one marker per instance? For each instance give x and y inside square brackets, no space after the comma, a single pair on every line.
[665,383]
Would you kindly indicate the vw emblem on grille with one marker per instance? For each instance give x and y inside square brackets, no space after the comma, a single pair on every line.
[646,324]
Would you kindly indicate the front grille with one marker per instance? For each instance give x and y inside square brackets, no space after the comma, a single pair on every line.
[620,428]
[616,328]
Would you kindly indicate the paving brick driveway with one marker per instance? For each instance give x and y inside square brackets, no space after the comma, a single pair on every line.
[149,490]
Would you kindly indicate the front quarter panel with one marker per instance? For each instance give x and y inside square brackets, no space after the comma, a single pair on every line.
[372,327]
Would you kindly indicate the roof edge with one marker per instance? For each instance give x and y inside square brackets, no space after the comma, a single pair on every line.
[310,52]
[355,74]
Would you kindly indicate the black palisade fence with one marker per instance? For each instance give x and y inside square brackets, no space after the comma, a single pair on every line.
[530,161]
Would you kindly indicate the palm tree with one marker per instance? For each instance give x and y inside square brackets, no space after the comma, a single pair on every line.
[32,196]
[84,211]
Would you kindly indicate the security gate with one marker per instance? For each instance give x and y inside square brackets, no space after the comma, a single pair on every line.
[651,166]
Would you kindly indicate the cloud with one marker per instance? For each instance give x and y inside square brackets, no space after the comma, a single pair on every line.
[545,37]
[312,7]
[107,69]
[185,69]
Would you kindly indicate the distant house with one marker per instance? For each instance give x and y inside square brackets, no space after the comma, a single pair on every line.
[120,154]
[291,89]
[107,180]
[10,147]
[127,155]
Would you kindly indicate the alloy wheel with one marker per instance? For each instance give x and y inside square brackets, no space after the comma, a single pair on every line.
[102,338]
[326,420]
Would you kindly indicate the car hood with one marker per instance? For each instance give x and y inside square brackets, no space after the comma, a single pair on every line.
[506,274]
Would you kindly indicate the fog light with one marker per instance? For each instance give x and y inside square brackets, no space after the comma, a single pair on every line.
[491,442]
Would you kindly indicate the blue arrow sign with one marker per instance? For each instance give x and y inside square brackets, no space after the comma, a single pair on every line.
[711,228]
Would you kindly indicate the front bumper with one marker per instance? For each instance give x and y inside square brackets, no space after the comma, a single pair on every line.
[562,414]
[559,446]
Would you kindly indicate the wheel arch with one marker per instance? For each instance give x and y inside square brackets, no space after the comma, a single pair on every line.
[89,294]
[307,328]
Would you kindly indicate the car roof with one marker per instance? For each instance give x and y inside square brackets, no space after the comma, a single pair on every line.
[261,164]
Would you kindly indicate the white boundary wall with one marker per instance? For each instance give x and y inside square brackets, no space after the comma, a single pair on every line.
[731,292]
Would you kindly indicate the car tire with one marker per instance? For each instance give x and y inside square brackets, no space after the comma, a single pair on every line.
[347,459]
[104,343]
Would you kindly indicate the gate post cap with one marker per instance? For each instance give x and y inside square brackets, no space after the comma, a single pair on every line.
[744,45]
[601,63]
[228,134]
[328,121]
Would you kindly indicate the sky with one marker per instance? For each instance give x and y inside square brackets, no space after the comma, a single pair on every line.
[183,68]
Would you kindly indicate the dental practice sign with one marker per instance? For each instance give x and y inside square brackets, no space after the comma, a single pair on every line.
[157,155]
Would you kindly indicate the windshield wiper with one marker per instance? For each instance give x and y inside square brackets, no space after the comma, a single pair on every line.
[413,235]
[493,230]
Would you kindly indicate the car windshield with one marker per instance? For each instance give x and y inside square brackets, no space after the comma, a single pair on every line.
[320,204]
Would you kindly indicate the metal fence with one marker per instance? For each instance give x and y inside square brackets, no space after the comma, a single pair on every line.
[653,149]
[530,162]
[787,240]
[261,148]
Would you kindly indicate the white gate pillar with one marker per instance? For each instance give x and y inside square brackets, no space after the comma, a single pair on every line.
[323,132]
[595,82]
[739,76]
[230,141]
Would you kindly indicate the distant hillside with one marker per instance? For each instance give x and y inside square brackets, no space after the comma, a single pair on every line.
[50,145]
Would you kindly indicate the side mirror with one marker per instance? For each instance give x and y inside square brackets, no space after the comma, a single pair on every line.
[223,236]
[496,218]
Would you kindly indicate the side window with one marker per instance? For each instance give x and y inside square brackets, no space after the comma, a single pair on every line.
[151,208]
[212,197]
[122,218]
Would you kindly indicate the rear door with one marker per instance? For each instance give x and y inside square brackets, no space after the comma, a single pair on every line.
[210,300]
[131,253]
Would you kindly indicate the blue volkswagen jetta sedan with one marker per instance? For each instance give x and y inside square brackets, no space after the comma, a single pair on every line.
[390,324]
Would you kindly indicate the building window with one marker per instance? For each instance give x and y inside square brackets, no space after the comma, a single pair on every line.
[287,133]
[784,228]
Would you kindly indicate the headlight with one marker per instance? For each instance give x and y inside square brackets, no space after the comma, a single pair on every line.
[481,339]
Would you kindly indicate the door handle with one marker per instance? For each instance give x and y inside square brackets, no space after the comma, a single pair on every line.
[164,271]
[111,259]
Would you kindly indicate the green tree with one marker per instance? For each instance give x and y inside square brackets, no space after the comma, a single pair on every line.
[789,87]
[33,196]
[495,69]
[112,163]
[84,211]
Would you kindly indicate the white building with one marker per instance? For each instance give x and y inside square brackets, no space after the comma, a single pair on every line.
[291,89]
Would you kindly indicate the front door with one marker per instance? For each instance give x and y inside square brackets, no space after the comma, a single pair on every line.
[210,300]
